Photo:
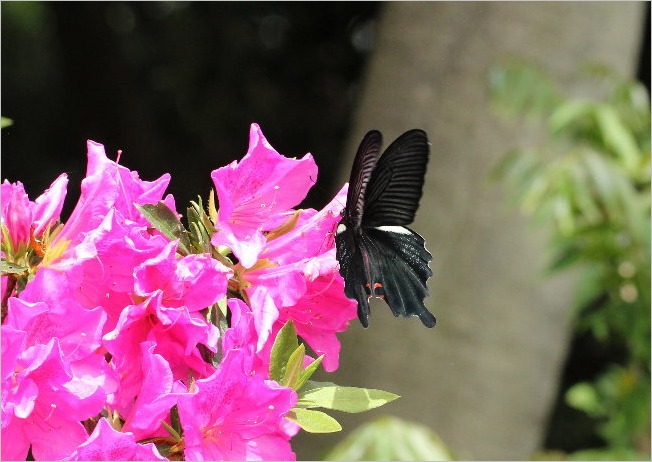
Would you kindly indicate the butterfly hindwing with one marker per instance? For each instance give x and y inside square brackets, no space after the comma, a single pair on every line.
[352,269]
[394,190]
[398,269]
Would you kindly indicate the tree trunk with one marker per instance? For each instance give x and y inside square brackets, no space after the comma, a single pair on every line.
[485,377]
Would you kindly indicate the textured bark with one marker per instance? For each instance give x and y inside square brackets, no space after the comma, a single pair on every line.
[484,379]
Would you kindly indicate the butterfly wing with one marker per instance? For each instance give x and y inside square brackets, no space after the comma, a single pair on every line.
[363,166]
[352,268]
[398,270]
[393,192]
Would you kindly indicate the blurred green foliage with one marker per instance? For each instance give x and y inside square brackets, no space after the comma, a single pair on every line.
[590,177]
[391,438]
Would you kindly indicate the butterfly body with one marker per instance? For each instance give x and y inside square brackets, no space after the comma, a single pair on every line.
[379,255]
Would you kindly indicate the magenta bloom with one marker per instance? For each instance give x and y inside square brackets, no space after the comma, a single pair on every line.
[194,281]
[242,335]
[108,186]
[20,214]
[155,397]
[106,443]
[175,332]
[100,268]
[254,192]
[303,284]
[78,330]
[112,318]
[233,415]
[321,313]
[43,399]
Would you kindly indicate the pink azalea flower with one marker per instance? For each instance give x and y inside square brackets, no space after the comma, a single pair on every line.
[194,281]
[233,415]
[319,308]
[320,314]
[79,331]
[157,394]
[20,214]
[99,270]
[242,335]
[302,283]
[312,235]
[176,333]
[111,288]
[270,289]
[110,186]
[106,443]
[43,401]
[255,191]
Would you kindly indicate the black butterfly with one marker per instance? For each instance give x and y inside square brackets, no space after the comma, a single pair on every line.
[378,255]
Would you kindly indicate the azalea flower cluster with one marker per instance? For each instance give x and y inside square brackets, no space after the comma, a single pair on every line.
[127,336]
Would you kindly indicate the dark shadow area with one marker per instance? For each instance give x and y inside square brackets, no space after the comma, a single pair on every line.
[176,86]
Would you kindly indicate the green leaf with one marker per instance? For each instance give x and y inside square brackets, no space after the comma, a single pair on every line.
[199,237]
[194,230]
[307,373]
[391,438]
[608,453]
[293,367]
[175,428]
[617,137]
[200,226]
[314,421]
[5,122]
[205,219]
[285,344]
[212,210]
[567,114]
[222,306]
[583,396]
[12,268]
[521,89]
[166,221]
[345,399]
[313,385]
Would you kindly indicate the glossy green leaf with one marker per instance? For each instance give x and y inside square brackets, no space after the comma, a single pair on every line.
[314,421]
[307,373]
[285,344]
[293,367]
[345,399]
[313,384]
[166,221]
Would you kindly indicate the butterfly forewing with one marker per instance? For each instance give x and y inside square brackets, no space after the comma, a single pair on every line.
[396,184]
[363,165]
